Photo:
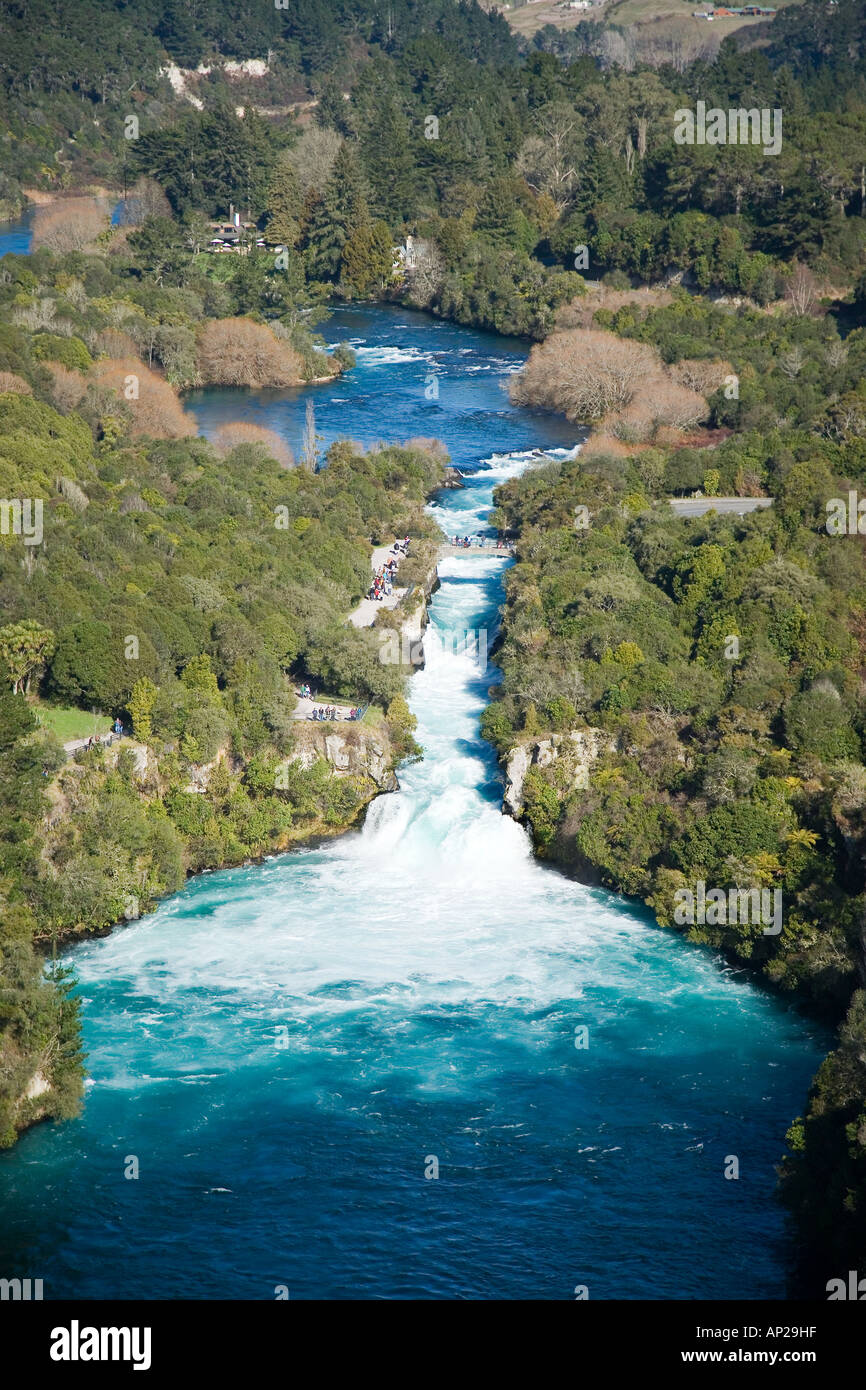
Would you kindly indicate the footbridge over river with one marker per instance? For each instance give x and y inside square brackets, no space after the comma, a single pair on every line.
[476,546]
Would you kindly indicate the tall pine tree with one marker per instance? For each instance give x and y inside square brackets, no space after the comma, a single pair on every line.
[284,203]
[343,208]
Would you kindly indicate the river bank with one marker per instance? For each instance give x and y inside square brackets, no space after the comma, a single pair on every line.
[649,752]
[368,754]
[234,809]
[285,1014]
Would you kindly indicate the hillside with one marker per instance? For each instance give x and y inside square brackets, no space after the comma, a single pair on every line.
[683,699]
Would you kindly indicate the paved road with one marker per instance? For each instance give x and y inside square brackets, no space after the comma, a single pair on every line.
[365,614]
[699,506]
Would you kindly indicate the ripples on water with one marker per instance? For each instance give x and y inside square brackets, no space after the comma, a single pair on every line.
[287,1047]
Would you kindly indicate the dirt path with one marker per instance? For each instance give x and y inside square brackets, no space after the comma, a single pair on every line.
[365,614]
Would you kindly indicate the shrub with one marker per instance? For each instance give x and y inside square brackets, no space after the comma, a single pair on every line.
[152,403]
[69,352]
[237,432]
[239,352]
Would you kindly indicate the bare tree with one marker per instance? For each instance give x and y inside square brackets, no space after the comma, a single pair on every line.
[69,225]
[584,373]
[114,343]
[145,199]
[152,405]
[9,381]
[239,352]
[662,402]
[67,387]
[313,157]
[617,49]
[845,418]
[592,376]
[547,159]
[236,432]
[673,42]
[41,313]
[309,448]
[791,362]
[426,274]
[802,290]
[702,374]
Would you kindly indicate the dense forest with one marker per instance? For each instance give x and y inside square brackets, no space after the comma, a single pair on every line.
[718,661]
[181,585]
[373,122]
[180,588]
[699,306]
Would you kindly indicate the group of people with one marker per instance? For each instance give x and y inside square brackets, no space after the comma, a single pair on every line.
[116,732]
[465,541]
[383,583]
[321,712]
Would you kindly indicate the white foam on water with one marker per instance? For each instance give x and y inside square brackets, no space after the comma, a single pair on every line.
[385,355]
[438,903]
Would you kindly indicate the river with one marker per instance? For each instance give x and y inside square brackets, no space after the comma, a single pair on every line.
[292,1050]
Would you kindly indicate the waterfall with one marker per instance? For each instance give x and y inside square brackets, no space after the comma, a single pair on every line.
[285,1045]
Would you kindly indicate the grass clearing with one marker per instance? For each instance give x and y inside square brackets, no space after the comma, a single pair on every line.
[69,723]
[528,19]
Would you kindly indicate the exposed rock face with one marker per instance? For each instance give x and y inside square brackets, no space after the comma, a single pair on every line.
[33,1103]
[357,752]
[351,750]
[516,767]
[36,1086]
[579,748]
[200,774]
[412,634]
[412,631]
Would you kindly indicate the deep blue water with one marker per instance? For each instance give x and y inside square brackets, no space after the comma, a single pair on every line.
[415,376]
[16,235]
[286,1048]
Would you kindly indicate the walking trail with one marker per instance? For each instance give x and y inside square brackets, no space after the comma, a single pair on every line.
[365,614]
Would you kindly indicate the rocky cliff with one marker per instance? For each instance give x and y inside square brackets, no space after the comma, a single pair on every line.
[574,753]
[353,750]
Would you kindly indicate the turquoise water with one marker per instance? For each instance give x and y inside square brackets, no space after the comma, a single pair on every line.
[286,1048]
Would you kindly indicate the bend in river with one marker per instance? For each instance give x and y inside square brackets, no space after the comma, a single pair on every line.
[292,1050]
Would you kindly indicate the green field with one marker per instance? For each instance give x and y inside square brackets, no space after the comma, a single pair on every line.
[69,723]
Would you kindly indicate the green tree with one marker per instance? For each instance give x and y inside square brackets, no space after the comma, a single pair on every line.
[140,706]
[368,258]
[285,202]
[198,675]
[26,647]
[344,207]
[88,667]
